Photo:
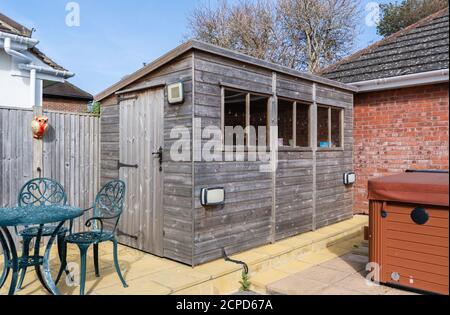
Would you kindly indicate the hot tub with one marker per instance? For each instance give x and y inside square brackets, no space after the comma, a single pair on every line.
[408,230]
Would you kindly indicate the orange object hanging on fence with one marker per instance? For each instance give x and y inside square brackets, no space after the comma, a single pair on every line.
[39,126]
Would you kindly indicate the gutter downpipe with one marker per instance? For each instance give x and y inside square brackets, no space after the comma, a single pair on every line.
[33,88]
[403,81]
[15,53]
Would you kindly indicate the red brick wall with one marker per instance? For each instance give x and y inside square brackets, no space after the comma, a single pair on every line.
[65,105]
[398,130]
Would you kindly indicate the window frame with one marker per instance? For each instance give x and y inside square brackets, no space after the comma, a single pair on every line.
[330,132]
[294,124]
[248,95]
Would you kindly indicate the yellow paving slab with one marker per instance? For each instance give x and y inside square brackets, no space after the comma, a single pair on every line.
[141,286]
[293,267]
[336,250]
[317,258]
[260,281]
[314,237]
[295,242]
[227,284]
[273,250]
[218,268]
[330,231]
[251,257]
[361,219]
[179,278]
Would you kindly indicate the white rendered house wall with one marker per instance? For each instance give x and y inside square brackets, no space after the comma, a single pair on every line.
[14,89]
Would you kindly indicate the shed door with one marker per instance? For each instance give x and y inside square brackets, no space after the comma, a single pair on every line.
[141,135]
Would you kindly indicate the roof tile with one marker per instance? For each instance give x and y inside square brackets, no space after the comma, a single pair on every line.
[420,47]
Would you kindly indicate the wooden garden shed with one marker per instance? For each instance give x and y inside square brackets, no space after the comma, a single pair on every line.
[163,213]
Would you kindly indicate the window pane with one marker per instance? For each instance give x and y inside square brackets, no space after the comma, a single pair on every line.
[322,127]
[302,125]
[336,136]
[258,118]
[234,111]
[285,124]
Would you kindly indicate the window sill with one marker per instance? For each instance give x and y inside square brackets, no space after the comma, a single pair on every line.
[298,149]
[330,149]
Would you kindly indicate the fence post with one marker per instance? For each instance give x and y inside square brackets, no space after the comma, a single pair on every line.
[38,147]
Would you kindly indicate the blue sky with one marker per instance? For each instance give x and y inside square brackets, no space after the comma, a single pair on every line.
[116,37]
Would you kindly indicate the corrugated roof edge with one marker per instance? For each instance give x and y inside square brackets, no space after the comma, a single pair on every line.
[381,42]
[198,45]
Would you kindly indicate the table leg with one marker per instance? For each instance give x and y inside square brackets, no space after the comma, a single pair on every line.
[14,261]
[37,246]
[6,260]
[47,274]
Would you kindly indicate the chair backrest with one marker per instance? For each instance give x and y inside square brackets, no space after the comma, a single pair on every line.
[109,201]
[42,192]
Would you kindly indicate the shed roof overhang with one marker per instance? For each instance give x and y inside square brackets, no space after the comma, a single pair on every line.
[209,48]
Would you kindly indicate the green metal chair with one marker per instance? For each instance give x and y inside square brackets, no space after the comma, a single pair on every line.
[40,192]
[108,206]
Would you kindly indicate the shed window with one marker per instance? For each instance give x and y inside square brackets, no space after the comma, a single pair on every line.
[259,118]
[293,124]
[302,125]
[242,109]
[336,127]
[235,111]
[329,127]
[285,123]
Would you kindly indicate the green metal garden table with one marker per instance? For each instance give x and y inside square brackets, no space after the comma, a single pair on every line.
[36,216]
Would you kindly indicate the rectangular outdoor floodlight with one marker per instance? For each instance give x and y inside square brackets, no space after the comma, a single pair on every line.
[212,196]
[349,178]
[175,93]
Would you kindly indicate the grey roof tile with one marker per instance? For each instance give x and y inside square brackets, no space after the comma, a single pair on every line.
[420,47]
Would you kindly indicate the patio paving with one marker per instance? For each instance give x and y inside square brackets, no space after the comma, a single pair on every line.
[150,275]
[344,275]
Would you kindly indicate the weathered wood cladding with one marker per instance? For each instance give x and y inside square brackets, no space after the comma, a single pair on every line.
[331,165]
[245,220]
[177,177]
[260,207]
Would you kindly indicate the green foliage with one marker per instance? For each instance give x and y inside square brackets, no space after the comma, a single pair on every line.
[245,282]
[396,16]
[96,108]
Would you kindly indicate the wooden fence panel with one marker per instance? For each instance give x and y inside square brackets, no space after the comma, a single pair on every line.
[71,153]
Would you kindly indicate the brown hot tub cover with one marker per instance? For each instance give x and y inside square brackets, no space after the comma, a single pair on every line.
[418,188]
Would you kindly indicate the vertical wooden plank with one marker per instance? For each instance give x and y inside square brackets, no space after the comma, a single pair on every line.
[193,145]
[274,122]
[294,125]
[81,167]
[329,126]
[314,151]
[158,223]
